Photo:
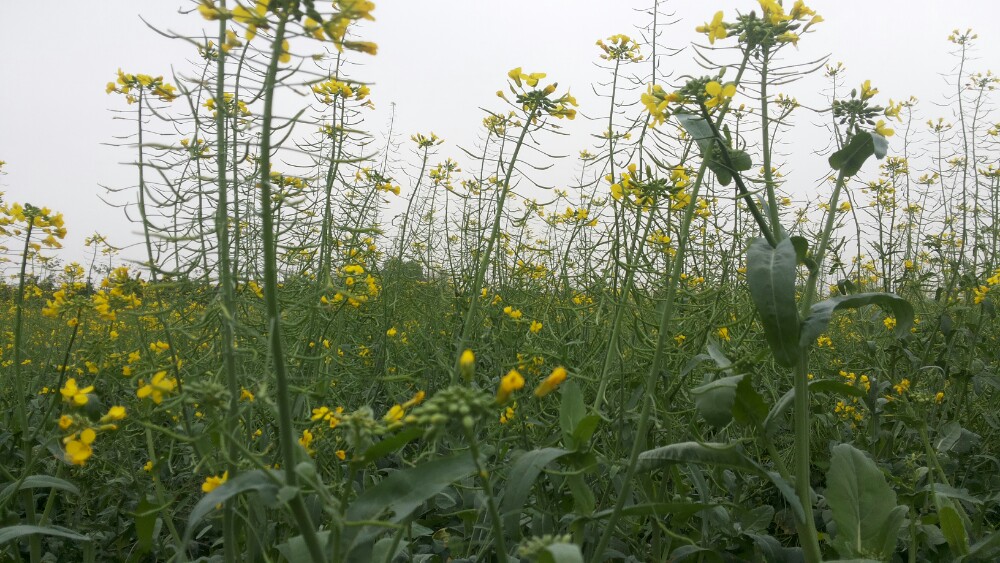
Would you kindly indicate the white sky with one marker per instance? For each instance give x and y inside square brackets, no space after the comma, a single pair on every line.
[440,61]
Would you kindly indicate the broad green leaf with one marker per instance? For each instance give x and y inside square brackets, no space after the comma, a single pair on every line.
[520,480]
[560,553]
[985,549]
[708,453]
[717,455]
[585,428]
[881,145]
[39,482]
[715,400]
[821,313]
[264,484]
[863,505]
[676,510]
[571,409]
[400,493]
[146,514]
[750,407]
[816,386]
[952,528]
[699,131]
[295,548]
[802,252]
[387,446]
[771,277]
[849,159]
[583,495]
[11,533]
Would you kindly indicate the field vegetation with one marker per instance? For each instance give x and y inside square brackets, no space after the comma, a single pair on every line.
[337,348]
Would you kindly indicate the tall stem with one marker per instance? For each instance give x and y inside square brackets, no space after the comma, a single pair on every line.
[286,437]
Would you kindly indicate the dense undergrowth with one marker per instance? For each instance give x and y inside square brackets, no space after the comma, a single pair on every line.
[341,352]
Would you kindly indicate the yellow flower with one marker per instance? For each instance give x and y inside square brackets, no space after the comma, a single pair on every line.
[417,398]
[212,482]
[73,394]
[114,413]
[881,129]
[395,414]
[155,389]
[306,440]
[508,414]
[65,421]
[341,455]
[867,91]
[939,397]
[889,322]
[467,364]
[723,334]
[246,395]
[148,466]
[392,332]
[78,452]
[716,29]
[508,384]
[719,93]
[535,327]
[549,384]
[902,387]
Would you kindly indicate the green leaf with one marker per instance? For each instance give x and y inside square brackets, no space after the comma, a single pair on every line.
[560,553]
[802,252]
[586,428]
[719,455]
[715,400]
[387,446]
[266,484]
[295,549]
[520,480]
[400,493]
[881,145]
[676,510]
[771,277]
[146,514]
[571,409]
[816,386]
[750,407]
[863,505]
[39,482]
[583,495]
[849,159]
[952,528]
[11,533]
[985,549]
[698,130]
[822,312]
[708,453]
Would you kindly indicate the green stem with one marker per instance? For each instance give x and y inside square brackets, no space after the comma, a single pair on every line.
[484,260]
[286,437]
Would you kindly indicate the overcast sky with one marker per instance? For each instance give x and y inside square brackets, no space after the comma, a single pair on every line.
[440,61]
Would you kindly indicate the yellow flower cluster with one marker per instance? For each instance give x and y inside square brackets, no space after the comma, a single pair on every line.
[656,100]
[328,91]
[509,383]
[620,47]
[16,219]
[537,100]
[143,83]
[398,411]
[159,386]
